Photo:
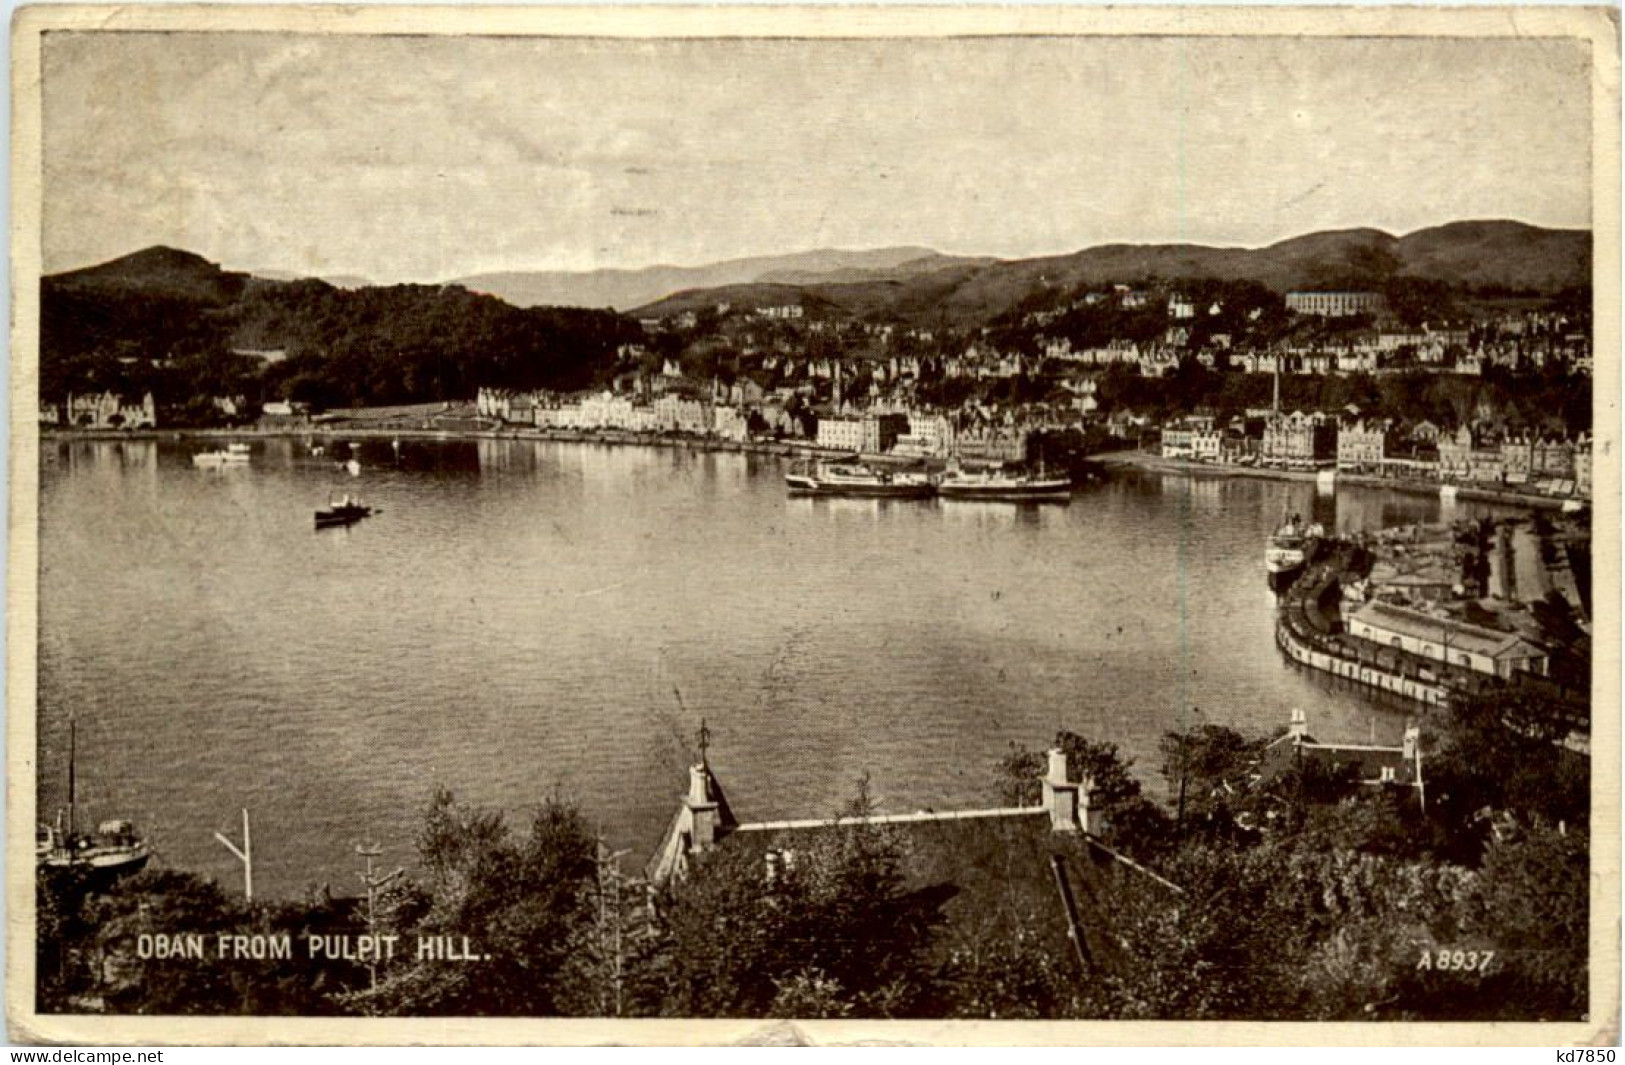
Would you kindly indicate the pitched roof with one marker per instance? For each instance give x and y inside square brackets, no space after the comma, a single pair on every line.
[1458,634]
[1289,751]
[993,869]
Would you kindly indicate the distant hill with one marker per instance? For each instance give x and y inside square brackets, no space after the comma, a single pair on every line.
[158,272]
[966,292]
[928,264]
[1503,253]
[632,288]
[336,280]
[171,322]
[745,297]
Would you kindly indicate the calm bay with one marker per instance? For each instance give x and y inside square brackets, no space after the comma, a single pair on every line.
[528,616]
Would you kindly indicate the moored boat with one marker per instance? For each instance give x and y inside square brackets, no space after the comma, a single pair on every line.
[114,849]
[1002,485]
[230,455]
[346,511]
[1291,545]
[850,479]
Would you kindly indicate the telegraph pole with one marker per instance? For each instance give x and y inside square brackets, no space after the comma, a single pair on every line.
[612,919]
[372,882]
[244,855]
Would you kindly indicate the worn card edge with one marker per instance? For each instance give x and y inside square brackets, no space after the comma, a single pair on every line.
[1600,26]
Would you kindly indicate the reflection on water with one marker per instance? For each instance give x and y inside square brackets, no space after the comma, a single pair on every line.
[523,615]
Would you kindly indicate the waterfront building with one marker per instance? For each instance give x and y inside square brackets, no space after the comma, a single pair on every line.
[868,433]
[1362,445]
[1517,459]
[1582,465]
[1456,454]
[673,412]
[107,410]
[1335,304]
[1418,463]
[49,414]
[1299,440]
[507,405]
[1176,442]
[1482,650]
[1373,764]
[928,435]
[1552,458]
[1192,437]
[781,421]
[1207,444]
[558,416]
[991,444]
[730,423]
[606,410]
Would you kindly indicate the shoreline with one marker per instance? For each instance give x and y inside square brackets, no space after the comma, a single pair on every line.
[1142,460]
[612,438]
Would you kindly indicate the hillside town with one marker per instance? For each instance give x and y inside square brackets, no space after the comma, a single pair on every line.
[912,393]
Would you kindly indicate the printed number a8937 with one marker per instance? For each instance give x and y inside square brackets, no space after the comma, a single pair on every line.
[1456,961]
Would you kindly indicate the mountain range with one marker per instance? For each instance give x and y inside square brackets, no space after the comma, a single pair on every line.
[1510,255]
[629,288]
[920,285]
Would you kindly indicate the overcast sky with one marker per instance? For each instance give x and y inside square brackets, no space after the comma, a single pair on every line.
[431,158]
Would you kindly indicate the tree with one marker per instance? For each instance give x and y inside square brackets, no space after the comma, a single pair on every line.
[830,930]
[1207,770]
[1500,752]
[93,959]
[524,906]
[1417,300]
[1531,902]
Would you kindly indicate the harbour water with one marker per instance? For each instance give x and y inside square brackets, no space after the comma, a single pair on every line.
[524,617]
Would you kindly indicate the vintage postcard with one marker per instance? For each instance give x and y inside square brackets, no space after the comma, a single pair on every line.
[958,525]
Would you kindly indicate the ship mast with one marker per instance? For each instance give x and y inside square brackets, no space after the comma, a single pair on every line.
[73,738]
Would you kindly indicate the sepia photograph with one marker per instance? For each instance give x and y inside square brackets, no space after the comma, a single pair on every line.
[825,522]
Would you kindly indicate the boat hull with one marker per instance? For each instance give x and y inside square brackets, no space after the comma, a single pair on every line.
[97,861]
[328,519]
[1035,492]
[814,487]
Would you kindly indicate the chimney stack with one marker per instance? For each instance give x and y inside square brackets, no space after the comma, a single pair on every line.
[1060,795]
[1409,745]
[1300,724]
[701,808]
